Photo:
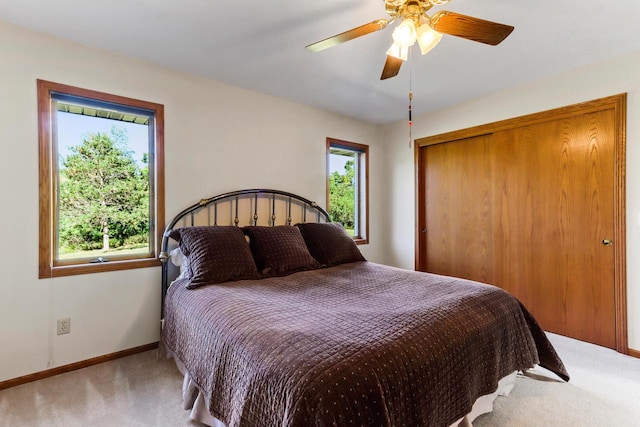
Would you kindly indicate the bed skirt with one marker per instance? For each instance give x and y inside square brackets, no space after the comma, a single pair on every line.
[193,400]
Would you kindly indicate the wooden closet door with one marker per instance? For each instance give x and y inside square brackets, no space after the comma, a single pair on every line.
[528,209]
[458,231]
[553,193]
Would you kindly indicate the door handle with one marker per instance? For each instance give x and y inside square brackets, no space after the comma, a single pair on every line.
[607,242]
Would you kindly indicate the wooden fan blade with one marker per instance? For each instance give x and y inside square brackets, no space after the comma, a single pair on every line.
[391,67]
[360,31]
[470,28]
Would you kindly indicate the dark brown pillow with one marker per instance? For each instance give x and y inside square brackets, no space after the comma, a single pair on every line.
[279,250]
[329,243]
[216,254]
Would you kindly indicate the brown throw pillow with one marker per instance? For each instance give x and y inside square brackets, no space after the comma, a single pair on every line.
[329,243]
[216,254]
[279,250]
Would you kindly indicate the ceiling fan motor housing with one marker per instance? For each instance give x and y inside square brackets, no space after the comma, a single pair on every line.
[410,9]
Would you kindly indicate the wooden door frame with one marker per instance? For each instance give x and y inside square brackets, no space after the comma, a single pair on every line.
[617,103]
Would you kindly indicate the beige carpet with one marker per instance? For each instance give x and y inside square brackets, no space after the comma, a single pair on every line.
[139,391]
[604,391]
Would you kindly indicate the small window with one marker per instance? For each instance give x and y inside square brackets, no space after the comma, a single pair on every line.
[101,181]
[348,186]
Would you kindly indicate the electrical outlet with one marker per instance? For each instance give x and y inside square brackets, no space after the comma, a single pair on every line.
[64,326]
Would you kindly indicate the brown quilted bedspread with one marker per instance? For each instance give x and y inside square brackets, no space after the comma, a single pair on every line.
[357,344]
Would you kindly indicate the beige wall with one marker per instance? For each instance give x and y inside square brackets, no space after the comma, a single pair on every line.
[218,138]
[593,82]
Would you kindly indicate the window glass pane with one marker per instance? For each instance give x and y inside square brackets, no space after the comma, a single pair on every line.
[103,187]
[343,186]
[101,181]
[348,186]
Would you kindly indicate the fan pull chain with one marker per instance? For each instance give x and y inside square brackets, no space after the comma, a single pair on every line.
[410,121]
[410,95]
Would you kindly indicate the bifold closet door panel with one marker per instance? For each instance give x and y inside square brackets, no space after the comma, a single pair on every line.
[458,212]
[553,206]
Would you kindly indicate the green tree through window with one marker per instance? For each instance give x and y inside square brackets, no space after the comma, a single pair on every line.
[342,193]
[104,195]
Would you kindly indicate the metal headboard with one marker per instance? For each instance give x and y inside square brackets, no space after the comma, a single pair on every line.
[232,209]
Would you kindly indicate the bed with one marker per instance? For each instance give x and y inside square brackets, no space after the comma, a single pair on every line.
[288,324]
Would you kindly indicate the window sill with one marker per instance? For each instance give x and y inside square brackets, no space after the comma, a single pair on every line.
[89,268]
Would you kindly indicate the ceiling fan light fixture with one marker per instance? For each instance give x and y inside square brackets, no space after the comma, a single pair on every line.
[404,35]
[413,23]
[427,38]
[398,52]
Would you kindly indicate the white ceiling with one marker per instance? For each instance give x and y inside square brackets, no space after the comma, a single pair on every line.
[259,45]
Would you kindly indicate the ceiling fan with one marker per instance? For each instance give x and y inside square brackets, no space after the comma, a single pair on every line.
[417,25]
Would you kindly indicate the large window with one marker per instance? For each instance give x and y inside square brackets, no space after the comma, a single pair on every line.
[101,181]
[348,186]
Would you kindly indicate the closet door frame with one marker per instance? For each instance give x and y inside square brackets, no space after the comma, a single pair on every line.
[617,103]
